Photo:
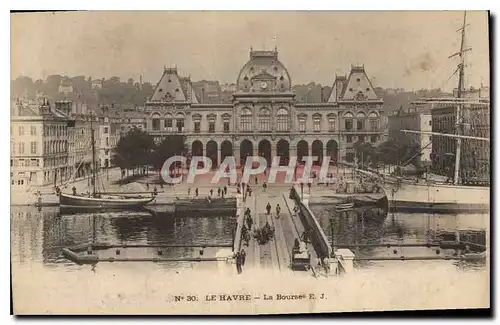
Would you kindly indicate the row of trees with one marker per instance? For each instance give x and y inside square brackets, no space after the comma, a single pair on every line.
[391,152]
[137,150]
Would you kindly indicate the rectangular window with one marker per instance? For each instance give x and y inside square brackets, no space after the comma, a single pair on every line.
[107,141]
[21,147]
[33,130]
[197,127]
[226,127]
[156,124]
[302,126]
[168,123]
[349,139]
[33,147]
[106,130]
[317,125]
[331,125]
[360,125]
[374,125]
[180,125]
[211,127]
[348,125]
[21,130]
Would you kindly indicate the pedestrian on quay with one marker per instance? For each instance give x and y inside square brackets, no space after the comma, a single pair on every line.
[243,256]
[256,180]
[218,191]
[309,186]
[225,190]
[249,190]
[147,185]
[278,210]
[189,191]
[196,192]
[264,186]
[74,190]
[268,208]
[238,262]
[211,191]
[249,222]
[155,191]
[305,238]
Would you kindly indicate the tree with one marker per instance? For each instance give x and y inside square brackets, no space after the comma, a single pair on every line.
[133,150]
[172,145]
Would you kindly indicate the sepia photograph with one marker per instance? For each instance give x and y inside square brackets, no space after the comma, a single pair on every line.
[249,162]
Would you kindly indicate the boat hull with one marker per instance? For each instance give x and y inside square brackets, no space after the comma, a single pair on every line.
[74,201]
[438,198]
[407,196]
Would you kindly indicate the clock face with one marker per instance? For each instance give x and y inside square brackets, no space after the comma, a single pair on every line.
[263,85]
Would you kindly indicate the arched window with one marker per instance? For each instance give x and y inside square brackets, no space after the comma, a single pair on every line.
[360,121]
[156,122]
[179,123]
[348,121]
[374,121]
[169,122]
[265,119]
[283,119]
[246,120]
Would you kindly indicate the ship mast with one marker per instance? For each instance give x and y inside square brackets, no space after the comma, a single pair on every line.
[460,94]
[93,155]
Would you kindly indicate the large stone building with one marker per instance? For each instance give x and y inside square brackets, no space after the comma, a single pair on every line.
[475,154]
[416,120]
[264,118]
[39,145]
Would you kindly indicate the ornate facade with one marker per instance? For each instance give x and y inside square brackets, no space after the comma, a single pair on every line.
[264,118]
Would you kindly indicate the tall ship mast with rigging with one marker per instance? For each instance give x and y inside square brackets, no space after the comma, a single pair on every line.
[468,188]
[97,200]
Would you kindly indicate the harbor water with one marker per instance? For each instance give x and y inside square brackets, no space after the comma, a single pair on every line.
[41,273]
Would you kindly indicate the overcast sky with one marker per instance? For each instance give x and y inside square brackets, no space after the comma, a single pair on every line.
[399,49]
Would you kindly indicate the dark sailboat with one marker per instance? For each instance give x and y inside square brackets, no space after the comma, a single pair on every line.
[95,200]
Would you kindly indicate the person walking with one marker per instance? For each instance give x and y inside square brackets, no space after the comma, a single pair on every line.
[264,186]
[211,191]
[249,190]
[243,256]
[225,190]
[196,192]
[238,262]
[74,190]
[147,185]
[218,191]
[189,191]
[155,191]
[278,210]
[268,208]
[249,222]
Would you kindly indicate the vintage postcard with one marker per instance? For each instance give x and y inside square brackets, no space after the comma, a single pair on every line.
[176,162]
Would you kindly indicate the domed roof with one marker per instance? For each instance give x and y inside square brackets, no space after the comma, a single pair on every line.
[264,72]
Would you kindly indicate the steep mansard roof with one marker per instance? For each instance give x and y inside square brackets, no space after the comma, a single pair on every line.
[173,88]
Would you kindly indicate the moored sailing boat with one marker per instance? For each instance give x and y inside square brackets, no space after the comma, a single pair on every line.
[464,194]
[95,200]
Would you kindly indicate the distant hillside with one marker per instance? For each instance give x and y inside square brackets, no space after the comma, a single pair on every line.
[131,94]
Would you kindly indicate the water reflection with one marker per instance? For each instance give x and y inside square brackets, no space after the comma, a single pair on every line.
[363,227]
[41,235]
